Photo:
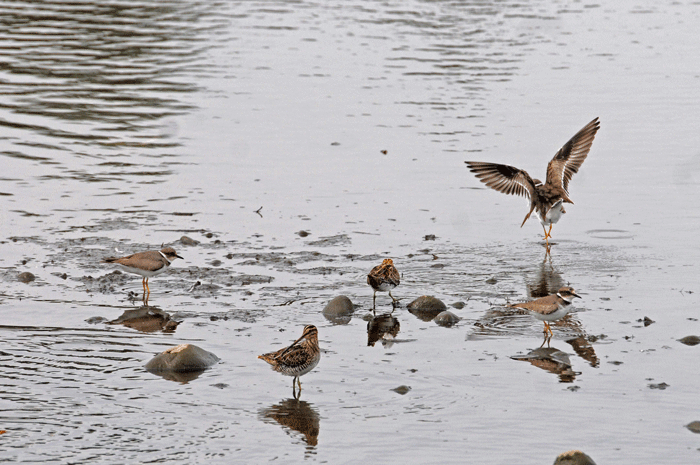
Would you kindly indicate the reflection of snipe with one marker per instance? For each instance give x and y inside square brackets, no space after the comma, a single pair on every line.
[383,327]
[552,360]
[298,359]
[296,415]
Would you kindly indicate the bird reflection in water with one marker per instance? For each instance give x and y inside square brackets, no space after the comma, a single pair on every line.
[382,328]
[552,360]
[585,350]
[546,281]
[296,416]
[146,319]
[558,362]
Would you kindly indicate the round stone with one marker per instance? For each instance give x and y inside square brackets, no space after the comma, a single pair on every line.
[181,359]
[184,240]
[427,303]
[446,318]
[574,457]
[339,310]
[26,277]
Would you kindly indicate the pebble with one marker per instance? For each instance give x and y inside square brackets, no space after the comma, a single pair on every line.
[184,240]
[446,318]
[26,277]
[694,426]
[403,389]
[573,457]
[690,340]
[427,303]
[339,310]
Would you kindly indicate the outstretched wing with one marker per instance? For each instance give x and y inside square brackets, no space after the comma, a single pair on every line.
[569,158]
[504,178]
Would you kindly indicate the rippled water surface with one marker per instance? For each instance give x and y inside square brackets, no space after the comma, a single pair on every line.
[299,144]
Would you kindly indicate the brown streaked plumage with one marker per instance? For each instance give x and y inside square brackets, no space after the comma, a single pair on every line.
[146,264]
[299,358]
[384,277]
[550,308]
[547,199]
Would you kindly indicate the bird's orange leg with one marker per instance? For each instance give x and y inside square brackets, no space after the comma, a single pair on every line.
[547,329]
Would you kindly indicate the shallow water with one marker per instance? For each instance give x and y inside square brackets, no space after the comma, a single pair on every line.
[128,125]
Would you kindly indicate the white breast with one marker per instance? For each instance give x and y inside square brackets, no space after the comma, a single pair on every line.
[553,214]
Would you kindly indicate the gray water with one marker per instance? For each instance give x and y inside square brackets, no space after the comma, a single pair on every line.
[127,125]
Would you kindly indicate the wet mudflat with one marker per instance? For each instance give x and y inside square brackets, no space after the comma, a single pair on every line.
[348,124]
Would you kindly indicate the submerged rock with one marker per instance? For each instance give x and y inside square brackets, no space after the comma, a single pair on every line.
[446,318]
[574,457]
[26,277]
[426,307]
[184,358]
[339,310]
[427,303]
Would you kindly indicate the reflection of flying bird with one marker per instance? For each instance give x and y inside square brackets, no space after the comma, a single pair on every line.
[299,358]
[146,264]
[551,308]
[546,200]
[384,277]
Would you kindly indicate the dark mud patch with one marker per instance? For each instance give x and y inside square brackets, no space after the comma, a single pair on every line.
[331,241]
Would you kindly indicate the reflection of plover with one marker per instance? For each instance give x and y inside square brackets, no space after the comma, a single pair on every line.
[547,200]
[383,278]
[550,308]
[299,358]
[146,264]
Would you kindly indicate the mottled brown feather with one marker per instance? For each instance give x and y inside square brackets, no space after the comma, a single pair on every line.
[386,273]
[570,157]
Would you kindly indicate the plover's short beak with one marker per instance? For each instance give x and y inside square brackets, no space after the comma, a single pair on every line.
[576,295]
[179,256]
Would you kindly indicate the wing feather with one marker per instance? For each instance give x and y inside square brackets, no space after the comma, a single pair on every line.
[503,178]
[570,157]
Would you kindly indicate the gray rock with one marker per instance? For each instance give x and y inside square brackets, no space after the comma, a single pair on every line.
[184,240]
[339,310]
[574,457]
[426,308]
[446,318]
[182,359]
[427,303]
[26,277]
